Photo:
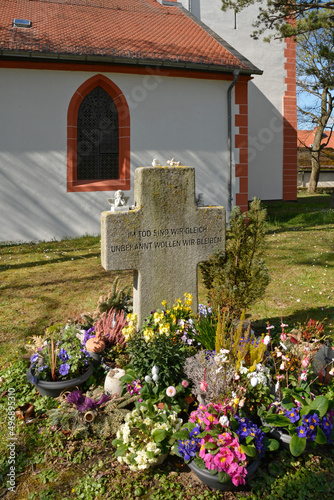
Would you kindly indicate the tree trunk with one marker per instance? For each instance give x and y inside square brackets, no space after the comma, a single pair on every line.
[331,203]
[315,160]
[326,110]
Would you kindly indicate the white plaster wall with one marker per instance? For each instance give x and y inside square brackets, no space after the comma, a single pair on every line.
[178,117]
[265,93]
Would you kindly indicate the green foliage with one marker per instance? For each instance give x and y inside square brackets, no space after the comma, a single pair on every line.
[205,327]
[119,298]
[239,278]
[276,16]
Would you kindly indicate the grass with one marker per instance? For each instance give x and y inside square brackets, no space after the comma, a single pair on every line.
[46,283]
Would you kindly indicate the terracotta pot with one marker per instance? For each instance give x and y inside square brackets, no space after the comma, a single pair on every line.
[212,480]
[54,389]
[95,345]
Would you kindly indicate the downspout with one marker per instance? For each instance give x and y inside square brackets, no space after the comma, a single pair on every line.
[229,138]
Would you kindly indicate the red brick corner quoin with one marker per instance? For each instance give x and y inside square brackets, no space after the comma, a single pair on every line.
[123,182]
[290,124]
[241,142]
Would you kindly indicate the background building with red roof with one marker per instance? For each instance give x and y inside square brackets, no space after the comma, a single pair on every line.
[92,89]
[304,142]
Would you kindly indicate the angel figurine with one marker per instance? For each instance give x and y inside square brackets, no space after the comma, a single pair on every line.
[119,202]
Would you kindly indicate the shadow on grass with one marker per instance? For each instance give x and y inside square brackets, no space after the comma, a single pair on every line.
[49,261]
[284,477]
[298,317]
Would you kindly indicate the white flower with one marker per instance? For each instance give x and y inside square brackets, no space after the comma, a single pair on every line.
[148,379]
[243,370]
[155,377]
[253,381]
[224,421]
[151,446]
[171,391]
[155,370]
[266,340]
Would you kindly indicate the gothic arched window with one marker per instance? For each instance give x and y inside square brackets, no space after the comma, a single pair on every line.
[97,144]
[98,138]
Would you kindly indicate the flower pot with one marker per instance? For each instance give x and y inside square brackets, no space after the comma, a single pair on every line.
[54,389]
[96,358]
[112,384]
[213,481]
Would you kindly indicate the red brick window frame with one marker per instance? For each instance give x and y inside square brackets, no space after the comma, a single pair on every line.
[123,181]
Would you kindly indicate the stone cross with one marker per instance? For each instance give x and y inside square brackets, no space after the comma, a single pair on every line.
[163,238]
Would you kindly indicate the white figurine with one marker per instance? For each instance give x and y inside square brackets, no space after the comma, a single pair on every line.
[173,163]
[119,202]
[155,163]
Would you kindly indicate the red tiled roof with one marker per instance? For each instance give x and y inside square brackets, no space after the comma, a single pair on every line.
[127,29]
[305,138]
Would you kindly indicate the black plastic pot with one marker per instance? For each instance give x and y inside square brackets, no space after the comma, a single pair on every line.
[212,480]
[54,389]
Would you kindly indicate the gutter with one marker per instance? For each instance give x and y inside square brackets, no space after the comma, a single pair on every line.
[229,139]
[136,60]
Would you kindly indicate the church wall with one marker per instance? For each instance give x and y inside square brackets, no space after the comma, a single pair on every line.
[169,117]
[266,92]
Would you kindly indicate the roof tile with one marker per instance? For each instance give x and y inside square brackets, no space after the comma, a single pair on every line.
[127,28]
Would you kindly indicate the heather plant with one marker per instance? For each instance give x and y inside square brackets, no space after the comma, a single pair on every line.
[110,325]
[237,278]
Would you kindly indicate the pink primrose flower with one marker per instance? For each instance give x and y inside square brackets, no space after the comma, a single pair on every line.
[223,459]
[238,476]
[185,383]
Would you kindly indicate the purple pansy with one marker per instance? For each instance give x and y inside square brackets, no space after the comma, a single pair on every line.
[64,369]
[33,358]
[63,355]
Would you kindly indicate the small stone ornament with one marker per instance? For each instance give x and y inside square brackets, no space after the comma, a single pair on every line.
[119,202]
[200,200]
[173,163]
[156,163]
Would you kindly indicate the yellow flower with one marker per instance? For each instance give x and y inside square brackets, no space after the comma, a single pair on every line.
[188,299]
[132,319]
[158,316]
[148,334]
[164,303]
[164,329]
[173,318]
